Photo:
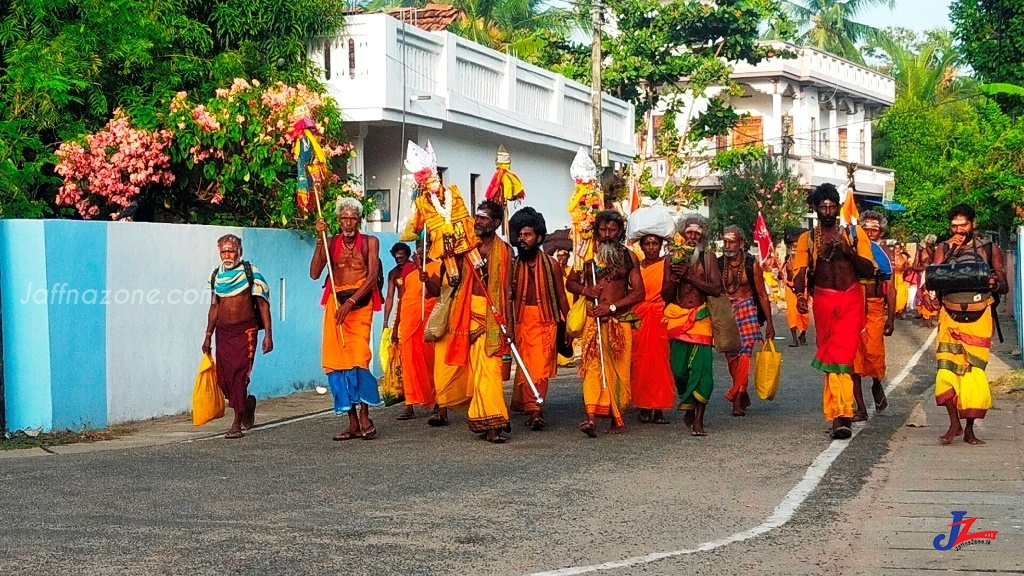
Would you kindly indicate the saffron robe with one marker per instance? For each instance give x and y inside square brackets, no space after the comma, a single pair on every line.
[653,383]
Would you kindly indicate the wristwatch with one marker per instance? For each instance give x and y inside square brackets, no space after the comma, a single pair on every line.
[612,308]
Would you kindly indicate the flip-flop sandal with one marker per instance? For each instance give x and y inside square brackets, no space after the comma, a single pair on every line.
[841,433]
[406,416]
[537,424]
[699,434]
[881,407]
[643,417]
[859,417]
[345,436]
[234,435]
[370,432]
[660,421]
[436,421]
[499,439]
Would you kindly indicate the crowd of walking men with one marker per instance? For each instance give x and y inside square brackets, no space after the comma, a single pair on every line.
[647,339]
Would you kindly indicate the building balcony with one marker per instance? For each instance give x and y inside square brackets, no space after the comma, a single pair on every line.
[381,70]
[812,66]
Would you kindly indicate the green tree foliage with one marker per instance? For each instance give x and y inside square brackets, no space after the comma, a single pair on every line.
[66,65]
[991,35]
[962,151]
[753,182]
[831,25]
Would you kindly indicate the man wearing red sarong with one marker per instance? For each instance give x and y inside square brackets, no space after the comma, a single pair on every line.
[239,309]
[538,304]
[831,260]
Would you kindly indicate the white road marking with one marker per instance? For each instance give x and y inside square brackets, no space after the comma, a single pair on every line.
[783,512]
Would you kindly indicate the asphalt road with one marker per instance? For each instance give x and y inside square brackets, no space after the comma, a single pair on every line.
[419,500]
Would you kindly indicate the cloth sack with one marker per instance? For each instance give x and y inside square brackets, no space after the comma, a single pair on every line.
[767,367]
[576,319]
[207,398]
[437,323]
[648,220]
[725,333]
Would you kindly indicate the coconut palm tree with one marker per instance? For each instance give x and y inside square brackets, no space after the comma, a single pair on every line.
[924,70]
[831,25]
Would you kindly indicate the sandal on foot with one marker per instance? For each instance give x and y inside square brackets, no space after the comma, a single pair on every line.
[841,433]
[346,435]
[537,424]
[700,434]
[644,416]
[406,416]
[880,407]
[437,421]
[589,428]
[234,435]
[660,420]
[859,417]
[370,433]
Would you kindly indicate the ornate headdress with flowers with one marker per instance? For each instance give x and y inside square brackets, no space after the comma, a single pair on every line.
[586,201]
[423,164]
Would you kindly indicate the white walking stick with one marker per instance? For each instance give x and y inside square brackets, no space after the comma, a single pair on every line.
[600,340]
[330,265]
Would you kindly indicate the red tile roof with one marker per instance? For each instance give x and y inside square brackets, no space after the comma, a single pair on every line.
[432,17]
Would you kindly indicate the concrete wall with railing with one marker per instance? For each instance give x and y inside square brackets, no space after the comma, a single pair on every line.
[103,321]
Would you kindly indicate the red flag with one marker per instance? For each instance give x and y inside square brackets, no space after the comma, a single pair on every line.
[763,238]
[634,198]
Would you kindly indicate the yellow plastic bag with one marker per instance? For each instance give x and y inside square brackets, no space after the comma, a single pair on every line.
[392,390]
[576,319]
[767,366]
[207,398]
[384,352]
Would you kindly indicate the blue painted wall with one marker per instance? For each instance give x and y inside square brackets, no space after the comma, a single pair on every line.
[73,363]
[76,257]
[24,297]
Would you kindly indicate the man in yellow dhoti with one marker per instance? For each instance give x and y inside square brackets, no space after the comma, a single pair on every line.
[346,334]
[613,280]
[965,328]
[467,371]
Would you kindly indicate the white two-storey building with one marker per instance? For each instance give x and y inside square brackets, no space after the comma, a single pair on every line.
[816,110]
[396,82]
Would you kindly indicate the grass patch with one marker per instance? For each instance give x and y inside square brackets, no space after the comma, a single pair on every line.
[22,441]
[1010,383]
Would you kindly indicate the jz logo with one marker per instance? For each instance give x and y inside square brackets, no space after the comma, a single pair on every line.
[960,533]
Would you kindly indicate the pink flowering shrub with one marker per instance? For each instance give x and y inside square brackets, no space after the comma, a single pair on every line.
[754,182]
[112,168]
[236,149]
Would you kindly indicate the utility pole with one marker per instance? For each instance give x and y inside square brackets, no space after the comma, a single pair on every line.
[595,66]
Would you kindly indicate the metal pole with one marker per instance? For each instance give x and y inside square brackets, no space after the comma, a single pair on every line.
[595,65]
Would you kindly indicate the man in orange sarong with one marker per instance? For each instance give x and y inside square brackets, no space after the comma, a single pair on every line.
[613,282]
[417,355]
[538,304]
[832,260]
[467,360]
[924,258]
[879,304]
[797,321]
[653,384]
[348,313]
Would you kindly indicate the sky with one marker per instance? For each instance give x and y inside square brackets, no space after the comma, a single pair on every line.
[918,15]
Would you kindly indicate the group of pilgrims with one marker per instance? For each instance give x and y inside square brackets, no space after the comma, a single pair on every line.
[634,293]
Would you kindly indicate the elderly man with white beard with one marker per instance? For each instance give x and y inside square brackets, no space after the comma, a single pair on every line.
[612,284]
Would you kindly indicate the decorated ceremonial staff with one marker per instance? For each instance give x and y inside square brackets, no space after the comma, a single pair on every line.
[311,164]
[440,214]
[586,201]
[505,186]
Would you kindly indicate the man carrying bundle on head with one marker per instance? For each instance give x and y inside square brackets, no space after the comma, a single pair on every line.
[612,282]
[831,260]
[880,307]
[653,385]
[538,304]
[691,276]
[744,285]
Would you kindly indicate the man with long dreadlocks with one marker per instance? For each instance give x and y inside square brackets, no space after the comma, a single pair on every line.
[538,304]
[611,281]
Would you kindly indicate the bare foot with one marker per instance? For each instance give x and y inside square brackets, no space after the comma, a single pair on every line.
[860,416]
[615,429]
[950,434]
[688,418]
[971,439]
[495,437]
[698,430]
[588,428]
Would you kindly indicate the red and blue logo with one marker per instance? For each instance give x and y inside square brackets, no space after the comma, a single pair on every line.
[960,534]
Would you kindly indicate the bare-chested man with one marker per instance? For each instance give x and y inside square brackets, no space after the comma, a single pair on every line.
[613,281]
[744,284]
[832,260]
[396,279]
[798,321]
[239,309]
[691,275]
[348,314]
[925,254]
